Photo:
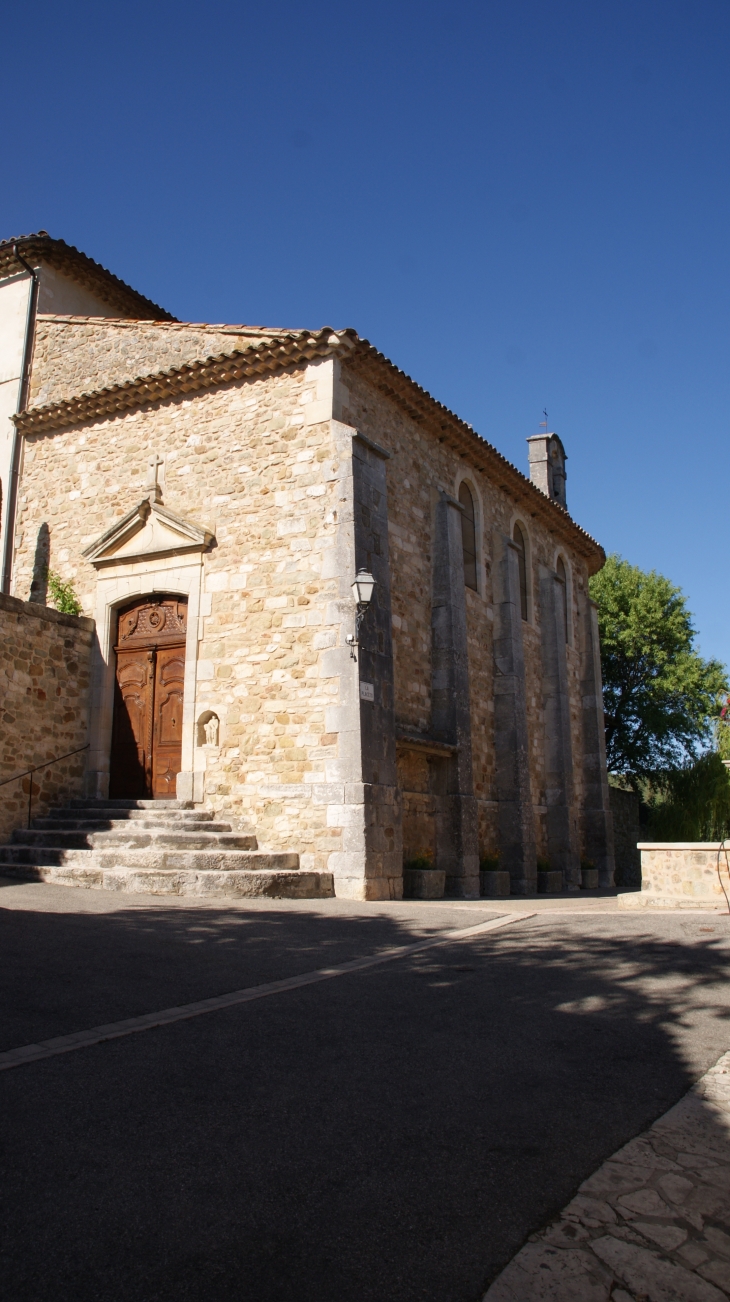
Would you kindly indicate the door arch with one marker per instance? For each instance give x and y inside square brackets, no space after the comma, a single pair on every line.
[146,744]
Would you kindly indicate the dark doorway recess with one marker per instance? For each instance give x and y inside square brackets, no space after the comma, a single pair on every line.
[148,698]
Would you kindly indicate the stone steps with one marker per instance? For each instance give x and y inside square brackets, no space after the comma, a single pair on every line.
[297,885]
[131,839]
[154,846]
[157,805]
[194,860]
[133,828]
[108,814]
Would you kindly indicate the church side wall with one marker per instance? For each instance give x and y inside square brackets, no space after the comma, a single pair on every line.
[480,630]
[418,468]
[44,706]
[255,463]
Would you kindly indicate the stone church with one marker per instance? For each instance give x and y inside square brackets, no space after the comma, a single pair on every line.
[324,607]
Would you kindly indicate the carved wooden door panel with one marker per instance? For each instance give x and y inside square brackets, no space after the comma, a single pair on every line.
[167,732]
[132,719]
[147,732]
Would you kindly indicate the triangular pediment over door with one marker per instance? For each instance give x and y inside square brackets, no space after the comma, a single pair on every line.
[149,530]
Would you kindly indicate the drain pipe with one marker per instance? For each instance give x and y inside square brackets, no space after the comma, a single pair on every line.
[12,492]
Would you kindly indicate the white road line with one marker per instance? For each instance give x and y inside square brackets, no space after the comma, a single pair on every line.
[115,1030]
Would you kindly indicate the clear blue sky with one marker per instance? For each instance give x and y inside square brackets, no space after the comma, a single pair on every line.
[523,204]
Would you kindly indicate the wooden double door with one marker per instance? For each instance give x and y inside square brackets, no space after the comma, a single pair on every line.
[148,698]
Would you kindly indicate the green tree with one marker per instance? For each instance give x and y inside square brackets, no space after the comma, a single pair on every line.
[661,699]
[693,803]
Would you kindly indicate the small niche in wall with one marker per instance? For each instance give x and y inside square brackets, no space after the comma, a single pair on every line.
[208,729]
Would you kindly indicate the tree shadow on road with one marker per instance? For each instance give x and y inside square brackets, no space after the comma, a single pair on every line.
[394,1134]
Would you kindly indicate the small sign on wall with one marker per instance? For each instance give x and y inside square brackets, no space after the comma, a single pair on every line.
[367,692]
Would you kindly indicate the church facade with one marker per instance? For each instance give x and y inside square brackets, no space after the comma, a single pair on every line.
[213,493]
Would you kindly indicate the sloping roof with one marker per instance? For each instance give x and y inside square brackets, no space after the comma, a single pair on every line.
[72,262]
[426,410]
[277,350]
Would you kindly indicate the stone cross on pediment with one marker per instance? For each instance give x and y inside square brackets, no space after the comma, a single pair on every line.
[153,487]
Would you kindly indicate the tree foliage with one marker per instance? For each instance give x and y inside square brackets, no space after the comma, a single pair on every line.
[693,803]
[660,697]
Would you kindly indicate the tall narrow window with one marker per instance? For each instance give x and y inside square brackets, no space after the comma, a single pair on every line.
[519,540]
[560,568]
[468,536]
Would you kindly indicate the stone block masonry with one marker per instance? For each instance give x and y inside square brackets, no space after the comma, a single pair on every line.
[458,841]
[511,737]
[520,815]
[258,464]
[562,840]
[681,875]
[627,834]
[44,705]
[73,355]
[298,461]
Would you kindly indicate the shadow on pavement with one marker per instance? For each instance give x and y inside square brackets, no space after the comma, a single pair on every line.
[392,1135]
[65,971]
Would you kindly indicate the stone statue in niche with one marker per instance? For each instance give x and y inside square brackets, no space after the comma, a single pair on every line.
[210,728]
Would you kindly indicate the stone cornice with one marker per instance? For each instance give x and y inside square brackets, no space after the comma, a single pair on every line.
[406,740]
[183,536]
[265,355]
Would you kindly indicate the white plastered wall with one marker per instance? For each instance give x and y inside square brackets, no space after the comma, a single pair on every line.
[14,300]
[62,294]
[56,293]
[116,585]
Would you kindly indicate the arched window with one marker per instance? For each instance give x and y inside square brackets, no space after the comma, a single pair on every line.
[519,540]
[562,575]
[468,536]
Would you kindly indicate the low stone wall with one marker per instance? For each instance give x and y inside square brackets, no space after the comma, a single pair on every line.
[44,706]
[626,836]
[681,875]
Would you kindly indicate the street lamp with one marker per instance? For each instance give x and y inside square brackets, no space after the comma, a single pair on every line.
[362,591]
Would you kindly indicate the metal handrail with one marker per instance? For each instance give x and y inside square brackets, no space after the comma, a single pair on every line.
[35,769]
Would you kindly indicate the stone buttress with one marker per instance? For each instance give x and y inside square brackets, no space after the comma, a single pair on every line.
[562,830]
[457,818]
[369,864]
[511,744]
[596,817]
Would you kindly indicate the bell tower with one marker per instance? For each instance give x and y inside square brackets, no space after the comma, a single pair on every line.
[547,466]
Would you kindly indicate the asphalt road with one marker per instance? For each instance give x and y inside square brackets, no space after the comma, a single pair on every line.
[389,1136]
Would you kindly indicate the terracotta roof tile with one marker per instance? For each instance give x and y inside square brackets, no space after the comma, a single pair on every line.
[71,261]
[274,350]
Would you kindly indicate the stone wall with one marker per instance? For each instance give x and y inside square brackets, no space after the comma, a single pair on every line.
[44,705]
[681,875]
[627,834]
[73,355]
[419,465]
[269,466]
[255,463]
